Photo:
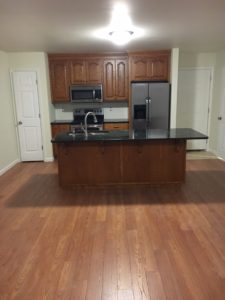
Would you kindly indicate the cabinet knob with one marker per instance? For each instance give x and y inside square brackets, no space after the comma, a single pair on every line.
[219,118]
[20,123]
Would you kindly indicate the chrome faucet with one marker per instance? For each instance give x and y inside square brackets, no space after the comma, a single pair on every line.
[85,122]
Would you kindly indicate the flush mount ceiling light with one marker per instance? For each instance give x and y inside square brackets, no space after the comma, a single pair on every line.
[121,30]
[121,37]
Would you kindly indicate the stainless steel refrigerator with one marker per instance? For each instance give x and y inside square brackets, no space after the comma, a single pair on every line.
[151,105]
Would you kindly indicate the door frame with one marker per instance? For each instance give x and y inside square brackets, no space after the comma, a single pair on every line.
[221,109]
[211,69]
[15,109]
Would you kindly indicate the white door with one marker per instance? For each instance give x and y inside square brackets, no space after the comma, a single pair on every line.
[194,86]
[28,115]
[221,119]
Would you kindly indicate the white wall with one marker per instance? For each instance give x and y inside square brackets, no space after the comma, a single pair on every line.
[37,61]
[8,143]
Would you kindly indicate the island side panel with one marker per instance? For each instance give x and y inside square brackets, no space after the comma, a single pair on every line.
[173,160]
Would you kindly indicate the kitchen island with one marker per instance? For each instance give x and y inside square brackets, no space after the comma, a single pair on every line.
[123,157]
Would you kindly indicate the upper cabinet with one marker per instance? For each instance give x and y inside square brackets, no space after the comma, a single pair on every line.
[87,70]
[67,69]
[115,83]
[111,70]
[152,66]
[59,79]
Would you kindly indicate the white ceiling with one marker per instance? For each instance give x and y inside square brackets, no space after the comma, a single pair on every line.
[69,25]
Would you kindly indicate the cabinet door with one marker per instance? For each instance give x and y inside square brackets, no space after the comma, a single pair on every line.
[121,80]
[94,71]
[78,71]
[159,68]
[109,84]
[139,68]
[59,80]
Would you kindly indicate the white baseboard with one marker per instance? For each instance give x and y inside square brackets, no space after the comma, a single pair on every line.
[49,159]
[6,168]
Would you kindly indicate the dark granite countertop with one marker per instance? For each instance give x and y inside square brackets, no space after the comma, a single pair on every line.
[62,122]
[105,121]
[132,135]
[116,121]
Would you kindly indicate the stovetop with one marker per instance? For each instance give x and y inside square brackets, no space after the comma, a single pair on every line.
[79,115]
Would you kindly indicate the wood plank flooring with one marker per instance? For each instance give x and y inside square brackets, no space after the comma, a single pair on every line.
[131,243]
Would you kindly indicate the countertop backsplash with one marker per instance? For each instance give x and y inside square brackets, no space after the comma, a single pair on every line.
[111,110]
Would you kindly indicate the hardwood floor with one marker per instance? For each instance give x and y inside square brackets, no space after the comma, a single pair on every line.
[126,243]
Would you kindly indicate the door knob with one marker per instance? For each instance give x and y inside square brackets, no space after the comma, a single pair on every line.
[20,123]
[219,118]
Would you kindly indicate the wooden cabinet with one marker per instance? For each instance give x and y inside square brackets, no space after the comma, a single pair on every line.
[86,71]
[59,79]
[111,71]
[91,163]
[78,71]
[57,128]
[115,82]
[116,126]
[149,66]
[119,162]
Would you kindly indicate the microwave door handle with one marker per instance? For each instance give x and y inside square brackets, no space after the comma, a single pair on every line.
[93,93]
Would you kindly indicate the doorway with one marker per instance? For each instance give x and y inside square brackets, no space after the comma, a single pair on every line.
[28,115]
[194,92]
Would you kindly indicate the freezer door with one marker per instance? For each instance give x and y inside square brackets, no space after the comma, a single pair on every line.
[159,105]
[140,112]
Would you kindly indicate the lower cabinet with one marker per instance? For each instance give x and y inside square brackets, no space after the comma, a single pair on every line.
[121,162]
[116,126]
[57,128]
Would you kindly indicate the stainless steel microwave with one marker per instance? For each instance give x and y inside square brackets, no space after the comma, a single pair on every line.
[86,93]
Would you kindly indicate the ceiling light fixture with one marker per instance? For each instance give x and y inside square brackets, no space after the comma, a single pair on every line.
[121,37]
[120,33]
[120,30]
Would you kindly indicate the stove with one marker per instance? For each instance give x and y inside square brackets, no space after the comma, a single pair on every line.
[79,115]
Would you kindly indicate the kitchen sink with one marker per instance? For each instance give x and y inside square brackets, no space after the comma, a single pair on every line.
[98,132]
[90,133]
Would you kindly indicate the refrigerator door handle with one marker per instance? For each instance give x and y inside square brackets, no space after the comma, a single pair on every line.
[147,111]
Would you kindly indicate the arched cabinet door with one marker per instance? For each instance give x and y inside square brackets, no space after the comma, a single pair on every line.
[59,80]
[150,66]
[121,79]
[109,80]
[94,71]
[78,71]
[115,83]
